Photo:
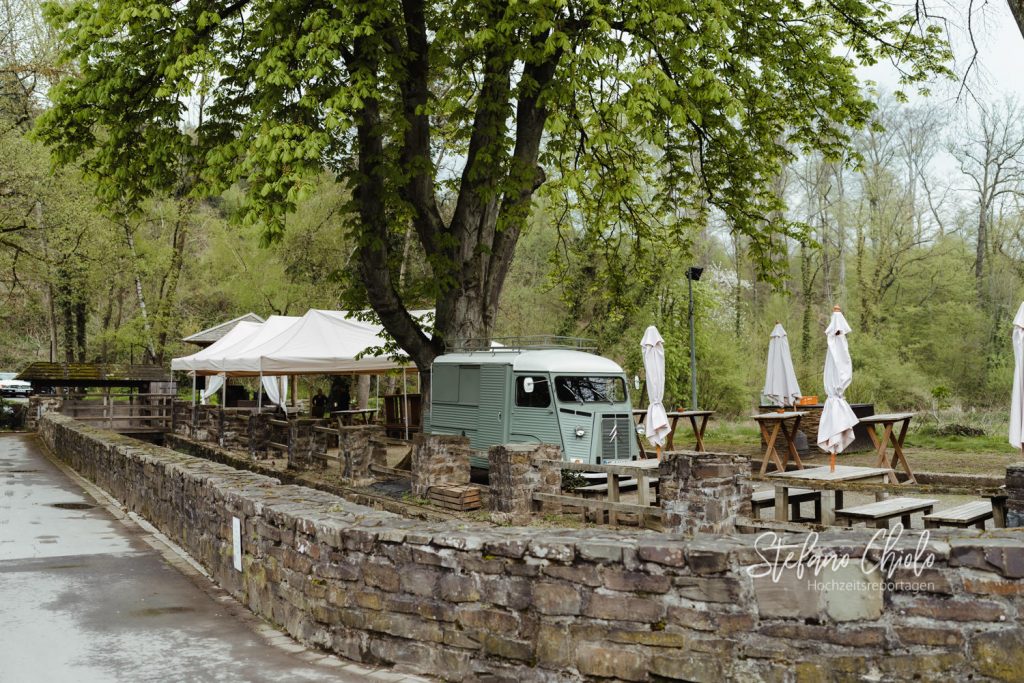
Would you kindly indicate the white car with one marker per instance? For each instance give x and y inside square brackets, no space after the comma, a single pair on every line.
[13,387]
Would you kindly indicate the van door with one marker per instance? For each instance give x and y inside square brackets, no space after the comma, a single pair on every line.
[534,417]
[493,417]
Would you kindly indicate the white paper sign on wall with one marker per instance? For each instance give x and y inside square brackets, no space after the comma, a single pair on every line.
[236,536]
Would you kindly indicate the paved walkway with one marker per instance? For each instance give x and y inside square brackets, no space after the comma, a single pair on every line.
[87,594]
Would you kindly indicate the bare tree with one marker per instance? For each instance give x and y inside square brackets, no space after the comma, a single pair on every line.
[991,155]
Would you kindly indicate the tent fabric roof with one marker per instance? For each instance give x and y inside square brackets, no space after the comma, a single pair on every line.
[319,342]
[323,342]
[200,359]
[217,332]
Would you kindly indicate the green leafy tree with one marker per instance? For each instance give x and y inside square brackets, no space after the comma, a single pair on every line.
[445,118]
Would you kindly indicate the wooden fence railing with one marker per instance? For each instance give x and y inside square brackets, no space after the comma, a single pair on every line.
[601,503]
[132,413]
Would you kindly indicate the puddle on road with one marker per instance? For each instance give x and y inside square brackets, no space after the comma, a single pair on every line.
[160,611]
[72,506]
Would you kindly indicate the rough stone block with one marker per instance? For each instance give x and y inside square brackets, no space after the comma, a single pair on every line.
[597,659]
[556,598]
[999,654]
[623,608]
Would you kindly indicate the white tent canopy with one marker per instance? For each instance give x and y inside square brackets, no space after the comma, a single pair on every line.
[319,342]
[244,357]
[200,359]
[324,342]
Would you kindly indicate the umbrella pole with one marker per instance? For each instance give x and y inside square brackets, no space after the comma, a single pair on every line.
[832,462]
[658,448]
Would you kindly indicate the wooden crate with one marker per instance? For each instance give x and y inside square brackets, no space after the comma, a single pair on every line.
[458,498]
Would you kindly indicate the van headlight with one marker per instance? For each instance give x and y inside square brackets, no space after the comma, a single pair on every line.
[640,430]
[580,432]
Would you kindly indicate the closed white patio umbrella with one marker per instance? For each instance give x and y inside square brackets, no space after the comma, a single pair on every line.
[656,422]
[780,385]
[835,431]
[1017,397]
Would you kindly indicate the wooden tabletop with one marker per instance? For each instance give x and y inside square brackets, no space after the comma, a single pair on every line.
[642,463]
[354,412]
[887,417]
[841,473]
[780,416]
[677,413]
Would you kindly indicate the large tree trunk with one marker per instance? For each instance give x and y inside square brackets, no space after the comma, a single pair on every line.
[1017,10]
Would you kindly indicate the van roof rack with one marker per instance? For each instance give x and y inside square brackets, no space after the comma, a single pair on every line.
[523,343]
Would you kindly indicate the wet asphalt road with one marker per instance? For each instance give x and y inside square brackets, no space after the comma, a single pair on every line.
[86,597]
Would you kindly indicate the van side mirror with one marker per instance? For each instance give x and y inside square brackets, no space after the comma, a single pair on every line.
[528,385]
[636,382]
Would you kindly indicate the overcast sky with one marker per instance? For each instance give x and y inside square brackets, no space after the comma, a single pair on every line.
[999,69]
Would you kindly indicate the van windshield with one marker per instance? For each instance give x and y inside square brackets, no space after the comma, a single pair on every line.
[590,389]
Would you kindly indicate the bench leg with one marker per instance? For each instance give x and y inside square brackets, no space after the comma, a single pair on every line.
[817,509]
[929,524]
[906,520]
[830,502]
[781,503]
[980,524]
[881,524]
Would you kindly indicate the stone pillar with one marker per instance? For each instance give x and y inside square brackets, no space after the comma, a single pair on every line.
[517,472]
[357,446]
[259,435]
[439,460]
[300,442]
[38,406]
[704,492]
[1015,495]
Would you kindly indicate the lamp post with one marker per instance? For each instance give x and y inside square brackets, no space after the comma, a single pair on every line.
[693,273]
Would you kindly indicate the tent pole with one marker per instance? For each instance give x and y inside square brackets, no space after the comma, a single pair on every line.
[405,400]
[259,394]
[193,389]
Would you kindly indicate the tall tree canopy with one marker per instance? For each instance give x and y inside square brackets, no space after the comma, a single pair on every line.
[445,118]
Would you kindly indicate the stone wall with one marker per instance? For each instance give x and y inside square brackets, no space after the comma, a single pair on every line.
[517,472]
[704,492]
[439,460]
[472,602]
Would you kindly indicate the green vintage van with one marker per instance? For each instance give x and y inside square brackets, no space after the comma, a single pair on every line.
[564,397]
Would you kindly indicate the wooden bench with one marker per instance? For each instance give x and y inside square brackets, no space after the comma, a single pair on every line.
[963,516]
[882,511]
[766,499]
[595,490]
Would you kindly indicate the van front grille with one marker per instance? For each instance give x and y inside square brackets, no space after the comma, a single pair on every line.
[616,431]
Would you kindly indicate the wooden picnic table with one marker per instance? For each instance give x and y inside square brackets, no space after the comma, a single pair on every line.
[831,498]
[778,422]
[891,435]
[693,415]
[348,417]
